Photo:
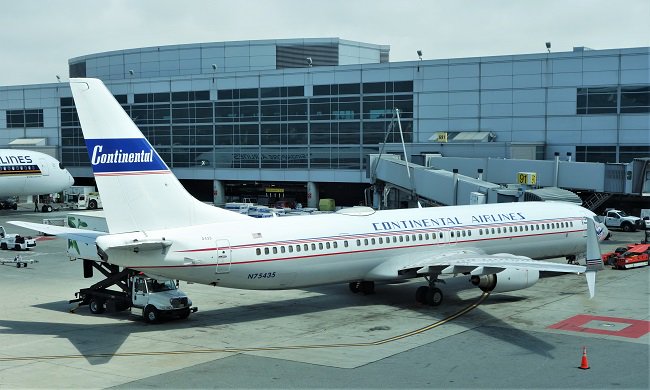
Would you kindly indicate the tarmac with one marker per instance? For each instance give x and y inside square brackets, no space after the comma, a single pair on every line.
[325,337]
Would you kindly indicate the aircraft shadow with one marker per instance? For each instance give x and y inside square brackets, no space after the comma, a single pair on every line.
[97,343]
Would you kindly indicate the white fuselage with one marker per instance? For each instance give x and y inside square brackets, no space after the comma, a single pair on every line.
[279,253]
[25,172]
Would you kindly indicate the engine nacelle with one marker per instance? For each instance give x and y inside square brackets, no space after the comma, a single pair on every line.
[510,279]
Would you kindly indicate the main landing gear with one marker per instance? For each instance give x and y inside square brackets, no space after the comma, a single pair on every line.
[429,295]
[365,287]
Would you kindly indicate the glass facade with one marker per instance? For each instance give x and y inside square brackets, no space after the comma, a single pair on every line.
[24,118]
[633,99]
[276,127]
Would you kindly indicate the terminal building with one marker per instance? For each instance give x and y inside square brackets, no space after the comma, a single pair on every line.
[298,118]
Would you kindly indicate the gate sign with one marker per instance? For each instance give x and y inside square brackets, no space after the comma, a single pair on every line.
[529,178]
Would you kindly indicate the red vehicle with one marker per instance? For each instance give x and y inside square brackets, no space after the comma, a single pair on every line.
[638,255]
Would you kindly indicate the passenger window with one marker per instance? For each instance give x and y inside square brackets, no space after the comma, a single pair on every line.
[365,241]
[290,249]
[372,241]
[282,249]
[401,238]
[306,247]
[297,248]
[258,251]
[335,244]
[320,245]
[266,251]
[313,247]
[345,244]
[358,242]
[275,250]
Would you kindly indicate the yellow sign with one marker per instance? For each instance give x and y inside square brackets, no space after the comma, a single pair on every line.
[275,190]
[442,136]
[529,178]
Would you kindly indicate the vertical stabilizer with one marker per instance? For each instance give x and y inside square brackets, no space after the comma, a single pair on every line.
[138,190]
[593,258]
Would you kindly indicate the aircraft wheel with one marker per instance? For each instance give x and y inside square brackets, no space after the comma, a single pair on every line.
[355,287]
[151,314]
[421,293]
[96,306]
[17,265]
[434,296]
[367,287]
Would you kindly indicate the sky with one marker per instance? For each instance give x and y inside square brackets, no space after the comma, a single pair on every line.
[37,37]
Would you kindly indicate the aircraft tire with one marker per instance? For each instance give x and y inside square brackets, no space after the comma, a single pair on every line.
[367,287]
[151,314]
[434,296]
[354,287]
[421,293]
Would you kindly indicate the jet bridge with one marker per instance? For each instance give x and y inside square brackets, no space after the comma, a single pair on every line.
[435,185]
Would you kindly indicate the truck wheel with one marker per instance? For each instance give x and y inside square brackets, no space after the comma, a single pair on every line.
[14,206]
[92,204]
[96,306]
[3,246]
[151,314]
[184,313]
[17,247]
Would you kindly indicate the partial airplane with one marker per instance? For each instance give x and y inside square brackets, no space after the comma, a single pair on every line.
[497,247]
[25,172]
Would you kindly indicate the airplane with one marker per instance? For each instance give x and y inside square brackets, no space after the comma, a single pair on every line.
[26,172]
[497,247]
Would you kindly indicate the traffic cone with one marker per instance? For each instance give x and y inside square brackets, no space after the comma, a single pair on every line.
[584,364]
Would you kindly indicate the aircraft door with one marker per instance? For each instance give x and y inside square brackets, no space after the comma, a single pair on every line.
[223,257]
[45,170]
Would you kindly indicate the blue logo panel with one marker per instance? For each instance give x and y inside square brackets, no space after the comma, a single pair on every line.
[123,155]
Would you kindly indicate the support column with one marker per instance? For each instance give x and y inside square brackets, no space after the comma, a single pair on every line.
[219,194]
[313,197]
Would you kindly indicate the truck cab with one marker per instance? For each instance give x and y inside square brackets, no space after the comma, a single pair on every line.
[620,220]
[156,298]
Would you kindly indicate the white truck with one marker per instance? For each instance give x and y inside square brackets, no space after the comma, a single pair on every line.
[620,220]
[15,241]
[151,298]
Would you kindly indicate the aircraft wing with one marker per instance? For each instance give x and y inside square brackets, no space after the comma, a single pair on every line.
[71,233]
[476,263]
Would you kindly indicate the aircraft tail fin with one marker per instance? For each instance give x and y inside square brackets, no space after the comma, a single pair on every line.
[139,192]
[593,259]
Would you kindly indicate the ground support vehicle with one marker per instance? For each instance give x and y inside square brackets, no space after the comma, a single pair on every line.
[18,261]
[620,220]
[8,204]
[15,241]
[145,296]
[638,255]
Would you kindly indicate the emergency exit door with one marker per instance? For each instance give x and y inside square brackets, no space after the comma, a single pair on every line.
[223,256]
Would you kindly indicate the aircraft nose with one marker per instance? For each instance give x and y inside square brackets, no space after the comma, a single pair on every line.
[70,179]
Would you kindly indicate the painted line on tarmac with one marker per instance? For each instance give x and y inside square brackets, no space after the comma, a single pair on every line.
[434,325]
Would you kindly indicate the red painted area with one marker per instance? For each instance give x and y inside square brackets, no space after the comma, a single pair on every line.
[635,328]
[44,238]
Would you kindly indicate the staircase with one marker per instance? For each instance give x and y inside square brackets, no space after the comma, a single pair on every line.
[595,200]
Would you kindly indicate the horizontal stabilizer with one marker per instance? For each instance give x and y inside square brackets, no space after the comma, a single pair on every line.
[61,231]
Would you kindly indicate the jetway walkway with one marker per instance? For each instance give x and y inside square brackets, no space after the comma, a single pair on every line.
[436,185]
[445,187]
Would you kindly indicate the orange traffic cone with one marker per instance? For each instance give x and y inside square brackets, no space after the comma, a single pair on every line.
[584,364]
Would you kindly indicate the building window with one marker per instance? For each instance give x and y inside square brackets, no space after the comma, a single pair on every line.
[596,154]
[24,118]
[597,100]
[635,99]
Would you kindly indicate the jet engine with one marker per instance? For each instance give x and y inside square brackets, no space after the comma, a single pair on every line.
[510,279]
